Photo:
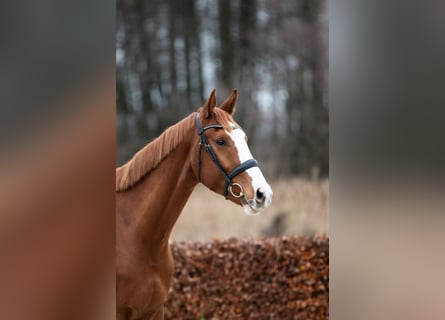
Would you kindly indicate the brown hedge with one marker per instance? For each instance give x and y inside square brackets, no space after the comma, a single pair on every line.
[267,278]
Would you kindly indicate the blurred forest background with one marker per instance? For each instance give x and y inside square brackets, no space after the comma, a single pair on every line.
[171,54]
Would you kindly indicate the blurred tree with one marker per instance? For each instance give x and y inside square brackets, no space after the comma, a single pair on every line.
[170,54]
[226,52]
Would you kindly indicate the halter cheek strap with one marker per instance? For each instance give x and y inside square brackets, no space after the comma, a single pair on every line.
[227,176]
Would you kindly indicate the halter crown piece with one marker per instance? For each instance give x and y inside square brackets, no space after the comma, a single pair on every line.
[227,176]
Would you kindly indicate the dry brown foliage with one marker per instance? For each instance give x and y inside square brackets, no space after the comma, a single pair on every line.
[267,278]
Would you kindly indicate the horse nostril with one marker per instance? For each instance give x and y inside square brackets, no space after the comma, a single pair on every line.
[259,194]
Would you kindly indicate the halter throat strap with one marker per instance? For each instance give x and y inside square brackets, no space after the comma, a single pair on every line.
[204,141]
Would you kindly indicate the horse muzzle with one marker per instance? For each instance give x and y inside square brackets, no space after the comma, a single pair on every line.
[261,200]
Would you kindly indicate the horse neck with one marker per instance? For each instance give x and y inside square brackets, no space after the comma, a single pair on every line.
[163,193]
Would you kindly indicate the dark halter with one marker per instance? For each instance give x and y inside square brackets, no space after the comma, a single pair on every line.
[227,176]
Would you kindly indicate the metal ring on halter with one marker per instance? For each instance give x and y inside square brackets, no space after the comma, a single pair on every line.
[241,193]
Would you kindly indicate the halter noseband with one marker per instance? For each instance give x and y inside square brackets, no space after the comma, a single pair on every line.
[227,176]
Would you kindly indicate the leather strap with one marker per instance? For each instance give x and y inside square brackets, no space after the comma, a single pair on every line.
[241,168]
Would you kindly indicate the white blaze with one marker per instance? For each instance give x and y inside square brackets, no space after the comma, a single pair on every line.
[258,181]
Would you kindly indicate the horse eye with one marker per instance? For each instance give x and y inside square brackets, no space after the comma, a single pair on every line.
[220,142]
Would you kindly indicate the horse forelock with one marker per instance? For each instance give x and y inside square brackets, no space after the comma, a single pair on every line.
[149,157]
[224,119]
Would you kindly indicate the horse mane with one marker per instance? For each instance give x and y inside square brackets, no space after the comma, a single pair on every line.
[149,157]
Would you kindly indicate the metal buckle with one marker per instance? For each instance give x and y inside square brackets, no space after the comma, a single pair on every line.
[241,191]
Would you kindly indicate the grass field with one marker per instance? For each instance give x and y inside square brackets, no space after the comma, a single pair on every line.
[299,207]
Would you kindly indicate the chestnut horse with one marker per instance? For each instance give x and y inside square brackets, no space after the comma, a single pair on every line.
[153,187]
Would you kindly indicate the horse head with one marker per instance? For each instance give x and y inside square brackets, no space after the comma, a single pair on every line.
[221,158]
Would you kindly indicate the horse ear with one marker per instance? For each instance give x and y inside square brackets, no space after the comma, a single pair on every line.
[229,105]
[209,106]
